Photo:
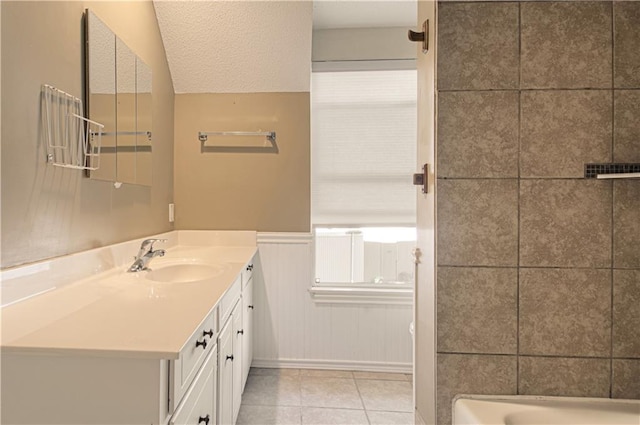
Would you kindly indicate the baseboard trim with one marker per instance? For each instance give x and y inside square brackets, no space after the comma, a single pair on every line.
[284,237]
[334,365]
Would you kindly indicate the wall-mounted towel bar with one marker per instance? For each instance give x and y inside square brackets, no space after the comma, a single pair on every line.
[270,135]
[129,133]
[203,136]
[612,171]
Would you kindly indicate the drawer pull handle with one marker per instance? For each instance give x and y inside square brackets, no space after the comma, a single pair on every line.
[205,420]
[203,343]
[241,332]
[230,357]
[209,332]
[250,306]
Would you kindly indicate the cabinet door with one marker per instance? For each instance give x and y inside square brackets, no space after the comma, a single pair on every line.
[225,375]
[198,405]
[238,338]
[247,325]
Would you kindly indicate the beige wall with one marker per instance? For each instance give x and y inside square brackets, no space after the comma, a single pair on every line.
[49,211]
[263,191]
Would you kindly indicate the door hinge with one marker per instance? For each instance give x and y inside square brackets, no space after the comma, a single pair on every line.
[422,179]
[422,37]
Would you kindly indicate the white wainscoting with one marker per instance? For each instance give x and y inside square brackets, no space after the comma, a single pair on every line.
[291,330]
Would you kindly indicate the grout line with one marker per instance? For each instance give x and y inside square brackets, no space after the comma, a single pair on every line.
[366,414]
[546,356]
[551,89]
[613,185]
[518,195]
[520,178]
[612,289]
[531,267]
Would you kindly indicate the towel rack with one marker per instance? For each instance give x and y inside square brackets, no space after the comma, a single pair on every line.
[72,140]
[203,136]
[270,135]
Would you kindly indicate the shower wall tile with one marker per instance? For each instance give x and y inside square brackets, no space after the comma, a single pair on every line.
[477,310]
[626,314]
[566,45]
[626,224]
[565,312]
[627,39]
[478,134]
[626,382]
[565,223]
[477,222]
[525,98]
[481,41]
[626,146]
[561,130]
[558,376]
[472,374]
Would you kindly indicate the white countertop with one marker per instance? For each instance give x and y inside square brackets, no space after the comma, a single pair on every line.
[115,313]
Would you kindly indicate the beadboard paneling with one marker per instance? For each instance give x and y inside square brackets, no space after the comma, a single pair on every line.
[292,330]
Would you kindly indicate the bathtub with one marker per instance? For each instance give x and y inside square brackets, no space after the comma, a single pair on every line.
[536,410]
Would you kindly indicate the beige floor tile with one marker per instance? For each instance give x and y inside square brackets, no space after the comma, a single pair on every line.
[325,416]
[273,371]
[269,415]
[272,391]
[390,396]
[321,373]
[330,392]
[390,418]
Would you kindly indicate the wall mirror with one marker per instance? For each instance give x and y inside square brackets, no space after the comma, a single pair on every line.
[118,94]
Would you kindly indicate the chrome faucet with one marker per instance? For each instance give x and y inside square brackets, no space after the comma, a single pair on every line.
[145,254]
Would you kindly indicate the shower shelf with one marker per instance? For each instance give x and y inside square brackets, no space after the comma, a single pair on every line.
[612,171]
[72,140]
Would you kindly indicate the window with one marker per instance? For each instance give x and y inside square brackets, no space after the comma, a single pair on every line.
[363,156]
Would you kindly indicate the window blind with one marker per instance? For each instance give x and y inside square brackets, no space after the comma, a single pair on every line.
[363,147]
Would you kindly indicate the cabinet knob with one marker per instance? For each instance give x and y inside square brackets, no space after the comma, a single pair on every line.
[205,420]
[202,343]
[230,357]
[250,267]
[241,332]
[209,332]
[250,306]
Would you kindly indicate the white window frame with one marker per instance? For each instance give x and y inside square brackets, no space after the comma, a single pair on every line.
[348,292]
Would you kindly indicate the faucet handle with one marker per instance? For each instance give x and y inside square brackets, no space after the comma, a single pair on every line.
[147,246]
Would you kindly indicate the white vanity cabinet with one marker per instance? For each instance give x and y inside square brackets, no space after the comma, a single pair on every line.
[198,407]
[123,348]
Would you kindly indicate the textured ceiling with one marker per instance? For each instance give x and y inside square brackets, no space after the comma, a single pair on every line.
[237,46]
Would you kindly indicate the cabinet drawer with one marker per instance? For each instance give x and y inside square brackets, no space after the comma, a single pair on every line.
[198,404]
[229,300]
[193,354]
[247,273]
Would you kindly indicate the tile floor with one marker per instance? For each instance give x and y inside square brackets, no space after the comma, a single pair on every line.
[325,397]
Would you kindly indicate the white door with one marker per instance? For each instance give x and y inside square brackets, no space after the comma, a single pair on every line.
[425,302]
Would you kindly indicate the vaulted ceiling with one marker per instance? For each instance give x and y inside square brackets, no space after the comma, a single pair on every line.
[240,46]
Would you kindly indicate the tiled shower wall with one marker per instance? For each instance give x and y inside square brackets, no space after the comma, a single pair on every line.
[538,268]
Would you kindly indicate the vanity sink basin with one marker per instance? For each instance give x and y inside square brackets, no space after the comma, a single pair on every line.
[185,273]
